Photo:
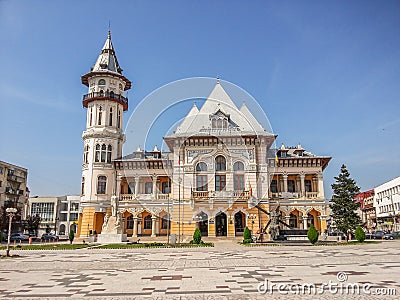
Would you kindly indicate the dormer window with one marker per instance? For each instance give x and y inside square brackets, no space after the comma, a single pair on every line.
[102,82]
[219,120]
[283,154]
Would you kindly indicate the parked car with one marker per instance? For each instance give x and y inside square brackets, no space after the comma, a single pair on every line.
[392,236]
[378,234]
[335,233]
[46,237]
[18,237]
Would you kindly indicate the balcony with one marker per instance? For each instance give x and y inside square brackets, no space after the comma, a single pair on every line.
[144,197]
[312,195]
[285,195]
[105,96]
[221,194]
[12,177]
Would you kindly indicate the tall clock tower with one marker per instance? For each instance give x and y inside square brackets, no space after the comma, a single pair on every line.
[103,138]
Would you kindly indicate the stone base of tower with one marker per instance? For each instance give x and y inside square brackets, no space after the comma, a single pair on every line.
[90,221]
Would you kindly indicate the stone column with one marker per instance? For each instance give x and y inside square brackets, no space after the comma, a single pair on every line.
[302,185]
[154,177]
[153,226]
[285,189]
[320,185]
[118,186]
[305,218]
[137,178]
[287,219]
[135,227]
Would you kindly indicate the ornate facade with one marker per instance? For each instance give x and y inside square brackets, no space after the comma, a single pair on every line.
[219,175]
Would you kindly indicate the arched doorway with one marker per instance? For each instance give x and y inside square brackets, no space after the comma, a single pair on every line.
[202,223]
[220,224]
[61,230]
[240,223]
[312,219]
[72,228]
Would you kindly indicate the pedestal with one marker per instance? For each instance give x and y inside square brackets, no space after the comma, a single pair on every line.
[110,238]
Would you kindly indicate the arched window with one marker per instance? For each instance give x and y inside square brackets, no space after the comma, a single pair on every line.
[238,176]
[201,167]
[100,115]
[97,154]
[109,151]
[101,93]
[83,186]
[238,166]
[120,87]
[91,116]
[61,230]
[119,119]
[220,163]
[111,94]
[86,154]
[201,179]
[103,152]
[101,185]
[102,82]
[147,222]
[110,119]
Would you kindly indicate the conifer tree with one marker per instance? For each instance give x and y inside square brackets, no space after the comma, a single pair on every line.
[342,203]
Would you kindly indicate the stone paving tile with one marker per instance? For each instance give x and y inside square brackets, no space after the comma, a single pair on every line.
[227,271]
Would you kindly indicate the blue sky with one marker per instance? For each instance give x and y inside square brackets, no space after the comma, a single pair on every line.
[327,74]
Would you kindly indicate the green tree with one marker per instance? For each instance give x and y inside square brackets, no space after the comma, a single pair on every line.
[342,203]
[247,236]
[197,236]
[312,234]
[32,223]
[360,234]
[71,236]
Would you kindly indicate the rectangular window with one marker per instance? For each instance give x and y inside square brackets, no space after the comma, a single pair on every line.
[165,187]
[220,182]
[74,206]
[131,187]
[238,182]
[44,210]
[73,217]
[147,222]
[201,183]
[148,188]
[308,185]
[291,186]
[274,186]
[129,222]
[164,223]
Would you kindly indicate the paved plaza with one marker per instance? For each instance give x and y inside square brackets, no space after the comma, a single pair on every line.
[227,271]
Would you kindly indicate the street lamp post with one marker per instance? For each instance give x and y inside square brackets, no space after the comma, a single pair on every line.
[10,212]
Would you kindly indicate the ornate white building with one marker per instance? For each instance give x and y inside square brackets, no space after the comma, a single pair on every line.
[220,173]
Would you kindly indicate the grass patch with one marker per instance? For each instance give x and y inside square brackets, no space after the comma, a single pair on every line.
[47,247]
[151,245]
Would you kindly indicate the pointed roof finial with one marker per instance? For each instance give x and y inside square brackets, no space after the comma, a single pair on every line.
[218,80]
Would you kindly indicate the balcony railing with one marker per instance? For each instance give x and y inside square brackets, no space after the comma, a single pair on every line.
[105,95]
[220,194]
[143,197]
[12,177]
[312,195]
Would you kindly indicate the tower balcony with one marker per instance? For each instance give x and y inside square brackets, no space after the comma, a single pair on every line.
[110,96]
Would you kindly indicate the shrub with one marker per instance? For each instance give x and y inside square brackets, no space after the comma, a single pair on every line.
[360,234]
[197,236]
[71,236]
[312,235]
[247,236]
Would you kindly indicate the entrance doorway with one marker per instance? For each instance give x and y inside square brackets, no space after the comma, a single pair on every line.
[202,219]
[240,223]
[220,224]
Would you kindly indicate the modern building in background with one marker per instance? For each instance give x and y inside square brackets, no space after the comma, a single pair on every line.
[59,214]
[387,205]
[67,215]
[46,208]
[367,209]
[13,186]
[220,174]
